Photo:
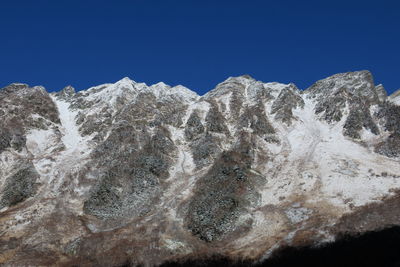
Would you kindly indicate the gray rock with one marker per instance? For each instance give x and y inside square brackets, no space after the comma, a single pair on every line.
[19,186]
[381,92]
[222,195]
[288,99]
[204,149]
[255,118]
[359,118]
[194,127]
[390,146]
[215,121]
[331,108]
[359,83]
[334,92]
[66,93]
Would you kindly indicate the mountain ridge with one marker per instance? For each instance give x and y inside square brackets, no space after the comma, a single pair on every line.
[241,171]
[246,76]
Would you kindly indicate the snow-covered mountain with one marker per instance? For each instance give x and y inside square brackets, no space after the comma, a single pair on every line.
[127,172]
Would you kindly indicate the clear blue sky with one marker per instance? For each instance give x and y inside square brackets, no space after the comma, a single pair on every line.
[196,43]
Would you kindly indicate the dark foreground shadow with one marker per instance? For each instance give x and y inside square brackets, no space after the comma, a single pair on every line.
[380,249]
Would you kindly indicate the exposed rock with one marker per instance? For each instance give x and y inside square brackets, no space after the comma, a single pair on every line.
[395,97]
[360,84]
[390,146]
[194,127]
[288,99]
[67,92]
[130,182]
[254,117]
[333,93]
[205,149]
[222,195]
[332,107]
[129,174]
[235,105]
[359,118]
[381,92]
[19,186]
[215,122]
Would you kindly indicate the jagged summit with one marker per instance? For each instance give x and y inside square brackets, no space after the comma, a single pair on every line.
[241,78]
[396,93]
[356,83]
[381,92]
[16,87]
[121,171]
[126,80]
[67,91]
[395,97]
[359,83]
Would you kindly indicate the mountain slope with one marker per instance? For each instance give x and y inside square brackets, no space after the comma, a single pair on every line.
[127,172]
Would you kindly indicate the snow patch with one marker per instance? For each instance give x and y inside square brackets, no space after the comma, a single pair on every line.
[70,131]
[395,100]
[39,141]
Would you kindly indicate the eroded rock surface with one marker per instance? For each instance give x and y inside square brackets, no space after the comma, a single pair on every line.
[130,174]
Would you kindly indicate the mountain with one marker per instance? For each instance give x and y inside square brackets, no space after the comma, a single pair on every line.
[129,173]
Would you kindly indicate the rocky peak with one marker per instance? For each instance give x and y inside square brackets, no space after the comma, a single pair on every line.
[66,92]
[241,79]
[15,86]
[352,90]
[125,82]
[180,92]
[396,93]
[110,175]
[111,90]
[236,85]
[23,90]
[381,92]
[185,92]
[359,83]
[246,89]
[395,97]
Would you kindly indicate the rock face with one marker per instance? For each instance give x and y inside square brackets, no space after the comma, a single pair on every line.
[127,173]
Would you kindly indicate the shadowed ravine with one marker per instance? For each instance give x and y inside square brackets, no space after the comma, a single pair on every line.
[380,248]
